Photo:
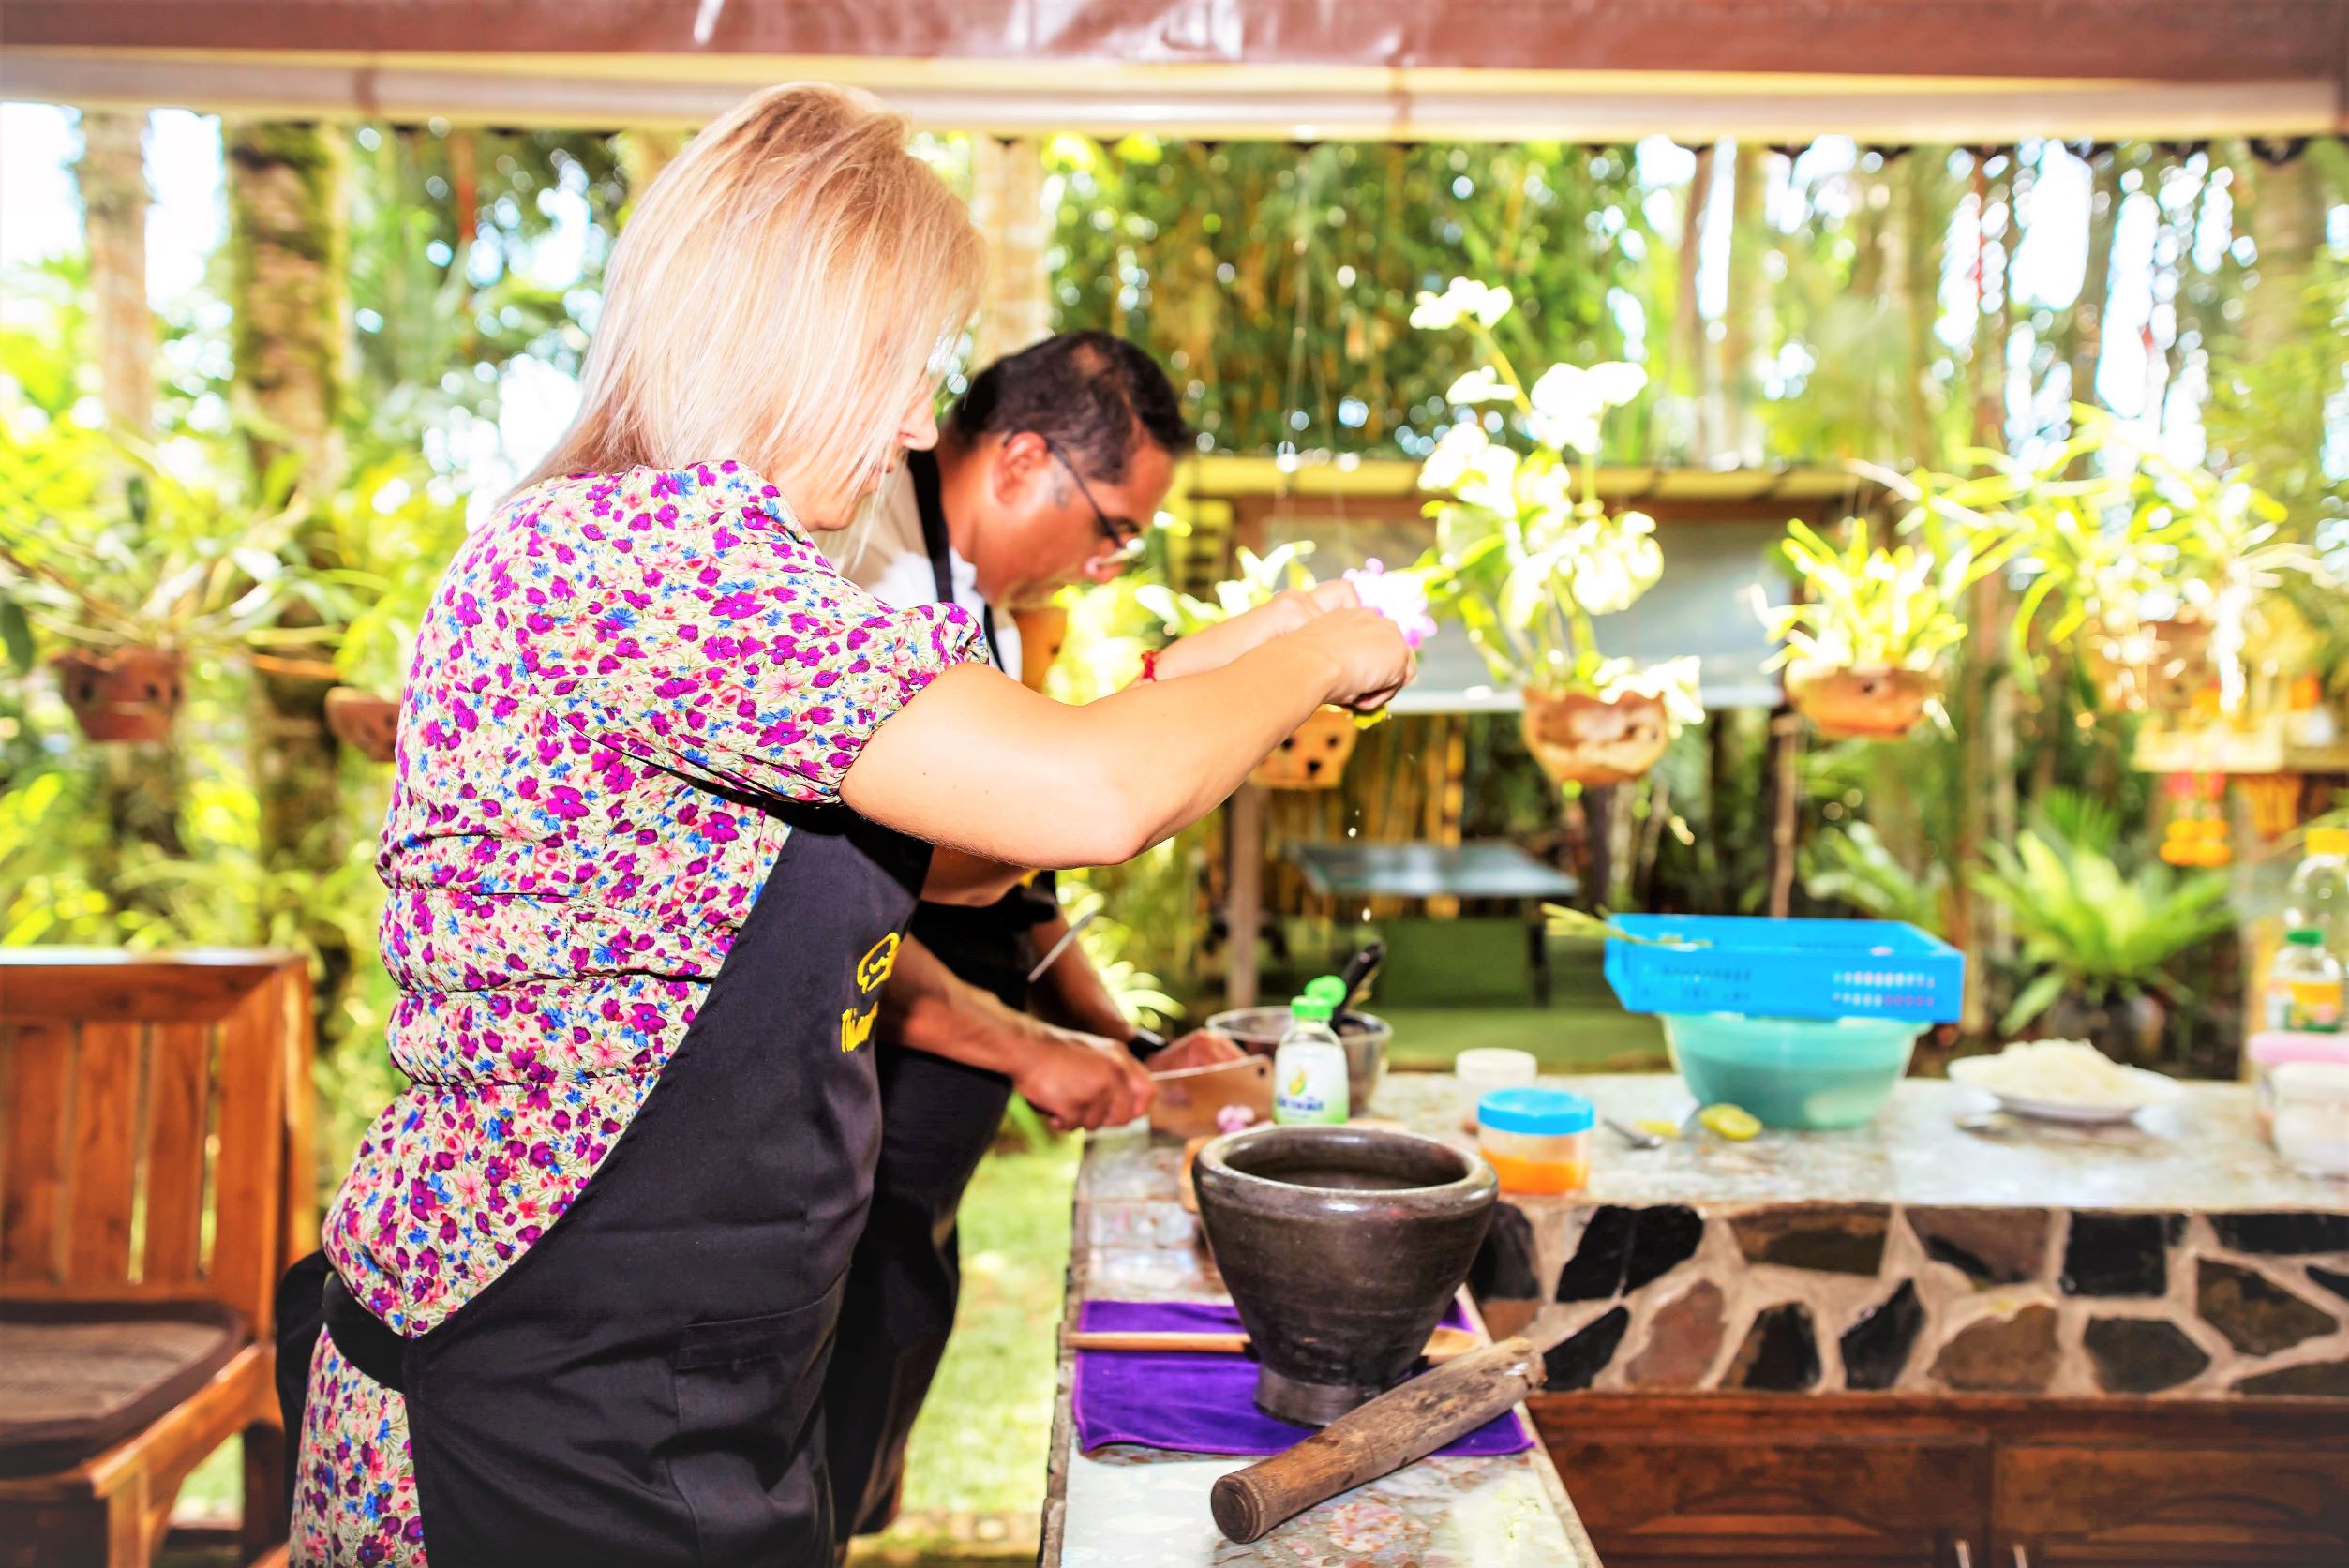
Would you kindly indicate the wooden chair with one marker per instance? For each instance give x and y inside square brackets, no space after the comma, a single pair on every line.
[151,1162]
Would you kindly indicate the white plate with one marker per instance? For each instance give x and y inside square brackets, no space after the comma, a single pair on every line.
[2151,1088]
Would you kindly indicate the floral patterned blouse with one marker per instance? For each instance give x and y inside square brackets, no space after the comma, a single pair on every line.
[613,663]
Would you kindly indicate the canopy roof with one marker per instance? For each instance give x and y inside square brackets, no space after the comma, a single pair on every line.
[1963,70]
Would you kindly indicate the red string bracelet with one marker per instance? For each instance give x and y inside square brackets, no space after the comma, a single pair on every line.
[1149,663]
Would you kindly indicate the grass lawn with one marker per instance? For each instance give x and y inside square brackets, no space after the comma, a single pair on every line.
[1563,1037]
[974,1470]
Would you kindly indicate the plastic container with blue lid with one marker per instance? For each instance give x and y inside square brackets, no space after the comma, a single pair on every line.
[1538,1140]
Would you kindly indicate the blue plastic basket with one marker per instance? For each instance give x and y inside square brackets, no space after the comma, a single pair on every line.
[1786,968]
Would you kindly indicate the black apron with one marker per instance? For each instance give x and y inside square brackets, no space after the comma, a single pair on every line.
[937,1119]
[641,1386]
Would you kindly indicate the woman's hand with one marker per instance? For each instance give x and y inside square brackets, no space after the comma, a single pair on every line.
[1082,1080]
[1370,660]
[1217,646]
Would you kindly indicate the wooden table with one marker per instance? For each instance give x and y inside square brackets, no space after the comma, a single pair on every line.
[1489,869]
[1145,1508]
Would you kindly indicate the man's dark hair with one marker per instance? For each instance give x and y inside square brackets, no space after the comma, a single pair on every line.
[1085,390]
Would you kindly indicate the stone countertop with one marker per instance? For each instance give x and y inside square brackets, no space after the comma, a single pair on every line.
[2202,1155]
[1144,1508]
[2175,1256]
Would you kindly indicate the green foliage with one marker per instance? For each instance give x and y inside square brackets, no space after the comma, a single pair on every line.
[1865,606]
[1273,281]
[103,546]
[1852,865]
[2086,927]
[1260,580]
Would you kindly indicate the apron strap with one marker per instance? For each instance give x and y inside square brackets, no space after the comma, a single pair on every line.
[922,468]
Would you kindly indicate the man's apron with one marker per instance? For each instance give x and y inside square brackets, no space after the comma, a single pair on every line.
[937,1119]
[641,1387]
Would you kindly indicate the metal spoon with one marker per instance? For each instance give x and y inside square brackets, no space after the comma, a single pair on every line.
[1633,1136]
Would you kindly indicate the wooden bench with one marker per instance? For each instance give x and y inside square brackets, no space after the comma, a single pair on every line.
[151,1163]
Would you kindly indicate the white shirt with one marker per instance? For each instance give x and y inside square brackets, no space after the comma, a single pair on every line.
[891,564]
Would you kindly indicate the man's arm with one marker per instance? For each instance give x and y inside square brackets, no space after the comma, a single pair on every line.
[1071,991]
[1076,1080]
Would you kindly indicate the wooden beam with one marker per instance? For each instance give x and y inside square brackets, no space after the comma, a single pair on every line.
[1882,71]
[2138,40]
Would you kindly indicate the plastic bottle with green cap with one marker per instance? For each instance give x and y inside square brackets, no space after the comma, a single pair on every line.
[2304,987]
[1309,1068]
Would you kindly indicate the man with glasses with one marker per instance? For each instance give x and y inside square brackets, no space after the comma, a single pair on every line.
[1046,473]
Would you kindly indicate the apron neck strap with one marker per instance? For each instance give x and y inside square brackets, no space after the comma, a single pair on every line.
[922,468]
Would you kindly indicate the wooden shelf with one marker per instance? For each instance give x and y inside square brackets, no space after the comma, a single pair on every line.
[2224,751]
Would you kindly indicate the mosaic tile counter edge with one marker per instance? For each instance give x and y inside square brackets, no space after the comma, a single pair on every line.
[2177,1260]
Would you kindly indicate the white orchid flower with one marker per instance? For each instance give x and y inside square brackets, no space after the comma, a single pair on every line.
[1448,463]
[1569,402]
[1480,386]
[1490,481]
[1463,297]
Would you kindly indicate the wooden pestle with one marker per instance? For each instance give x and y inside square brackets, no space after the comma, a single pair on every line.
[1403,1424]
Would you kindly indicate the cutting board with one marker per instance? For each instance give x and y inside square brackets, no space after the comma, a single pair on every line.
[1190,1098]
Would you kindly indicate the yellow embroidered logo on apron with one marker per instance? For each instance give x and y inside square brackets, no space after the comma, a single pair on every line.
[857,1027]
[874,966]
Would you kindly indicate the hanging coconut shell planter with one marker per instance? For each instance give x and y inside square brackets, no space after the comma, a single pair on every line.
[1313,757]
[125,694]
[1866,703]
[366,722]
[1583,740]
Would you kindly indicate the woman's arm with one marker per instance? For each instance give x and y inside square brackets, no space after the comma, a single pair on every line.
[979,763]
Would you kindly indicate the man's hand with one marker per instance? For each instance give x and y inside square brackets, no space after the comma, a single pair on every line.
[1082,1080]
[1200,1048]
[1215,646]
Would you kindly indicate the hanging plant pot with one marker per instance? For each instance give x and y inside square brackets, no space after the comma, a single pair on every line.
[1314,757]
[2152,665]
[1582,739]
[2178,666]
[1863,703]
[366,722]
[129,693]
[1042,631]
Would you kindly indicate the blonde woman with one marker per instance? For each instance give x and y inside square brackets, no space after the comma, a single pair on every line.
[666,793]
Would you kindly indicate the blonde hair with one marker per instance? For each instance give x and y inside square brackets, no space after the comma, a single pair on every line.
[779,297]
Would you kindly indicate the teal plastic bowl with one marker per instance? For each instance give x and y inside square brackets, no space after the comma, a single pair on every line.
[1792,1072]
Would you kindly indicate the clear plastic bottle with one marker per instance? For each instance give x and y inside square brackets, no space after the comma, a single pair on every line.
[1308,1067]
[2304,985]
[2318,897]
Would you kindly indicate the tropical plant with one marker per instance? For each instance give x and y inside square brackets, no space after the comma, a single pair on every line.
[1260,579]
[2091,932]
[395,528]
[153,561]
[1868,607]
[1525,563]
[1853,865]
[2112,534]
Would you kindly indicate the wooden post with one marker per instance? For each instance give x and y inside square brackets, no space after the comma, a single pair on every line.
[1244,906]
[113,180]
[1007,202]
[1785,807]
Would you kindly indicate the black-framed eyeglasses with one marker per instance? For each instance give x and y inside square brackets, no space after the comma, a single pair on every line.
[1125,535]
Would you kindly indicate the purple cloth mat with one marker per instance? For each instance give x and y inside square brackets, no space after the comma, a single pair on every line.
[1197,1403]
